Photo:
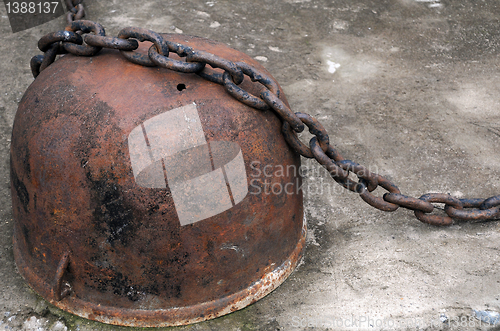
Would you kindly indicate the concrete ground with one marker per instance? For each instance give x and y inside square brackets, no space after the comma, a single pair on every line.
[407,87]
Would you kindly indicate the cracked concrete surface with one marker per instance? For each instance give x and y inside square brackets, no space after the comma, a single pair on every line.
[408,88]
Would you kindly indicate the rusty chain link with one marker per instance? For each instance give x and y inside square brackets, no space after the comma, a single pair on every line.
[86,38]
[75,10]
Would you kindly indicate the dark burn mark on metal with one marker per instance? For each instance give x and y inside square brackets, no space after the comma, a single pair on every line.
[22,192]
[26,163]
[26,234]
[153,208]
[120,285]
[91,242]
[210,247]
[111,216]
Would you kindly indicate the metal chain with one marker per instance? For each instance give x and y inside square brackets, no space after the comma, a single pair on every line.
[75,10]
[86,38]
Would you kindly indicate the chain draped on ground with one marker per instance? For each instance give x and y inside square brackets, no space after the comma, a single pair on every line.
[87,38]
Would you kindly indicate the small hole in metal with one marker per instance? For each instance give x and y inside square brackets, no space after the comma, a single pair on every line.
[181,87]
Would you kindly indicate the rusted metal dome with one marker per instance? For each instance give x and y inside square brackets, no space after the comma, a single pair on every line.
[146,197]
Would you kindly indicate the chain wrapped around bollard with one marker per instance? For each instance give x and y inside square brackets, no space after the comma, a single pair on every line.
[204,293]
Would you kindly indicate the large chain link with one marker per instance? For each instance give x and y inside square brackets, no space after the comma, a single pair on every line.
[86,38]
[75,10]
